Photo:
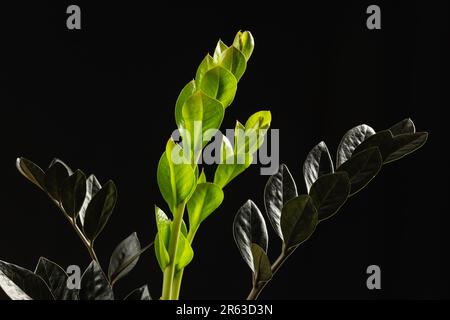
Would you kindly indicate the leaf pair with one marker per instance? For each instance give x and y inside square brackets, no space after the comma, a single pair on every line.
[78,197]
[185,254]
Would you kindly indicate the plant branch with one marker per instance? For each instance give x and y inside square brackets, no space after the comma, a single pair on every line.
[259,287]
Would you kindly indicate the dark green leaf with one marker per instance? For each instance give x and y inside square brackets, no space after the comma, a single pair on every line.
[94,285]
[56,279]
[362,168]
[141,293]
[280,188]
[404,126]
[99,210]
[249,227]
[92,187]
[298,220]
[22,284]
[31,171]
[318,162]
[263,271]
[382,140]
[350,141]
[55,175]
[329,193]
[73,193]
[124,258]
[404,144]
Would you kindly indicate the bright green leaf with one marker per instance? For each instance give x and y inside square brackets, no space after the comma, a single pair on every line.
[220,84]
[245,43]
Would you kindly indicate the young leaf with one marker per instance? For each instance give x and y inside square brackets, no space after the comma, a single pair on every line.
[162,238]
[362,168]
[92,187]
[280,188]
[229,170]
[318,162]
[56,279]
[220,84]
[350,141]
[185,254]
[206,65]
[206,198]
[73,193]
[255,129]
[201,178]
[141,293]
[220,48]
[298,220]
[99,210]
[226,150]
[124,258]
[94,285]
[404,144]
[187,91]
[31,171]
[262,269]
[329,193]
[22,284]
[245,43]
[249,227]
[234,61]
[55,175]
[176,181]
[404,126]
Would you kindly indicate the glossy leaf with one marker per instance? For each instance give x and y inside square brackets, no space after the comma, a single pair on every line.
[329,193]
[99,210]
[318,162]
[141,293]
[220,84]
[234,61]
[220,49]
[206,198]
[176,181]
[94,285]
[280,188]
[56,279]
[299,219]
[404,144]
[382,139]
[404,126]
[31,171]
[162,238]
[55,175]
[249,227]
[245,43]
[22,284]
[188,90]
[92,187]
[262,268]
[124,258]
[256,128]
[206,65]
[200,108]
[73,193]
[185,254]
[362,168]
[202,178]
[229,170]
[350,141]
[226,150]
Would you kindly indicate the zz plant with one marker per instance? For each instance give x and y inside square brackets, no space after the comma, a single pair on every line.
[87,205]
[199,112]
[360,156]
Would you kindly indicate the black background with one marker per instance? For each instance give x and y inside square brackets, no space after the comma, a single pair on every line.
[102,99]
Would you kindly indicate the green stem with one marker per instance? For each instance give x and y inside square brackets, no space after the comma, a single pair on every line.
[169,272]
[177,285]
